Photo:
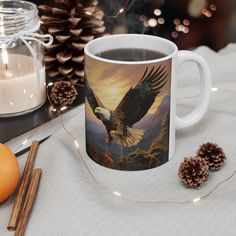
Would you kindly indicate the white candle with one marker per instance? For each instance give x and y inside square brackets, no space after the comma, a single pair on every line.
[19,87]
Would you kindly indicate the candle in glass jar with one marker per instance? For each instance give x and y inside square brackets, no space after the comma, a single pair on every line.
[20,90]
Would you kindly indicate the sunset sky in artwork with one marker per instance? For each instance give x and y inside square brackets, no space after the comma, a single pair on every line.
[110,82]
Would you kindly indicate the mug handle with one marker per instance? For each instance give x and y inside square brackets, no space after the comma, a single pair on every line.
[205,89]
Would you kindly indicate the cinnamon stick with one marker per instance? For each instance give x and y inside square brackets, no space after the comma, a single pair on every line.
[29,200]
[20,197]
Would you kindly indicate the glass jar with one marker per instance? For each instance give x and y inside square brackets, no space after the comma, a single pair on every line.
[22,69]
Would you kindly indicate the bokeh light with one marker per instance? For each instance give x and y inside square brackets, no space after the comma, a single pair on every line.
[161,21]
[145,23]
[176,21]
[206,13]
[152,22]
[213,7]
[180,27]
[157,12]
[142,18]
[191,22]
[186,22]
[174,34]
[186,30]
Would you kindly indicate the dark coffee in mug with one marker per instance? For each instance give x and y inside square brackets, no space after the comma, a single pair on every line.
[131,54]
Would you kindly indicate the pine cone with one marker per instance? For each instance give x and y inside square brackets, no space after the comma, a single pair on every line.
[193,171]
[63,93]
[72,23]
[213,154]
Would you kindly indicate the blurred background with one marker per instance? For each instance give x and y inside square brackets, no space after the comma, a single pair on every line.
[188,23]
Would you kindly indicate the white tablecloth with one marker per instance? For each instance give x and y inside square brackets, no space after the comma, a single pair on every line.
[69,203]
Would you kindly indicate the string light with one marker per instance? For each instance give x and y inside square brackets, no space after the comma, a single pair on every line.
[121,10]
[88,13]
[31,136]
[214,89]
[197,199]
[63,108]
[126,197]
[76,144]
[117,193]
[25,141]
[42,126]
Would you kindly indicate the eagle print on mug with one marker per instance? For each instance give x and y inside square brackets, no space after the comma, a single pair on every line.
[130,99]
[127,113]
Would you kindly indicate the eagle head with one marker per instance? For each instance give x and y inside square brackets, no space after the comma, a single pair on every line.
[102,113]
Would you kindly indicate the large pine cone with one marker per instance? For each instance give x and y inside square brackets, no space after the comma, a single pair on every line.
[213,155]
[193,171]
[72,23]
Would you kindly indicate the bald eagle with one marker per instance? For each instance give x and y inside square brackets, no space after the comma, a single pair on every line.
[132,108]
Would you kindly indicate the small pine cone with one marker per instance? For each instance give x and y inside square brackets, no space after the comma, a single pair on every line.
[193,171]
[63,93]
[213,154]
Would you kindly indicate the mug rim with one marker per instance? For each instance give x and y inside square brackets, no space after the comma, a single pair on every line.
[97,40]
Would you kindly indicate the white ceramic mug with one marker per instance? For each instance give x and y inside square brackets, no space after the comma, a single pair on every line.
[131,105]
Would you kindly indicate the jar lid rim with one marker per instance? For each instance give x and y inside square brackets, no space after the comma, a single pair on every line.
[17,16]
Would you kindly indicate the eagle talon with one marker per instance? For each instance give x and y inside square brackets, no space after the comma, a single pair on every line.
[108,140]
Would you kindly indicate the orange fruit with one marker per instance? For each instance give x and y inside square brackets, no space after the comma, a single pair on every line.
[9,172]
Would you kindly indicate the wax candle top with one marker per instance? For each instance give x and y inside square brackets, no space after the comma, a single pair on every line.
[19,87]
[18,66]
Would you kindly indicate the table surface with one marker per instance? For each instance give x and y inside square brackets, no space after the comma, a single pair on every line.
[70,203]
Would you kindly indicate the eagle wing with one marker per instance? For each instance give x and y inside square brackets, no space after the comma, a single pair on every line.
[139,99]
[92,99]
